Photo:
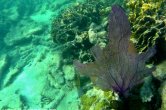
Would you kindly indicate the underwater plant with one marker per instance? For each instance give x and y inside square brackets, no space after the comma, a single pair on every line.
[117,66]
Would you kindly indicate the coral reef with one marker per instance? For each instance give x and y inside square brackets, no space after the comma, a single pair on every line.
[96,99]
[148,22]
[146,91]
[160,72]
[79,29]
[34,75]
[69,72]
[147,19]
[105,75]
[116,66]
[81,26]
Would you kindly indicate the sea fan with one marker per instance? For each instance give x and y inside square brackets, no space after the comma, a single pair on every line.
[117,66]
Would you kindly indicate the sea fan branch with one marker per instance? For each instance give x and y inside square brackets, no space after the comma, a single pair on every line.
[116,66]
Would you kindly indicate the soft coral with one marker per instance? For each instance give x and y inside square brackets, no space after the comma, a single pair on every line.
[116,66]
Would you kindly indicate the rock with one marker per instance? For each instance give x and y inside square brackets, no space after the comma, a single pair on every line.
[96,99]
[11,76]
[13,14]
[57,99]
[68,72]
[92,36]
[70,101]
[49,93]
[24,33]
[15,41]
[160,72]
[146,91]
[35,31]
[3,65]
[10,99]
[56,80]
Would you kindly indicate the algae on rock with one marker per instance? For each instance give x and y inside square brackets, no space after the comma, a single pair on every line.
[148,22]
[160,72]
[163,94]
[81,26]
[96,99]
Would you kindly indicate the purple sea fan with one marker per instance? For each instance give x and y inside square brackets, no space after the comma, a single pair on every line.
[117,67]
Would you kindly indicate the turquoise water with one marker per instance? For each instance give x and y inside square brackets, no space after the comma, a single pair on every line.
[40,39]
[29,58]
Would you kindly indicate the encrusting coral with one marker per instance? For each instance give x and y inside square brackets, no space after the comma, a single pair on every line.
[74,27]
[81,26]
[96,99]
[147,18]
[117,66]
